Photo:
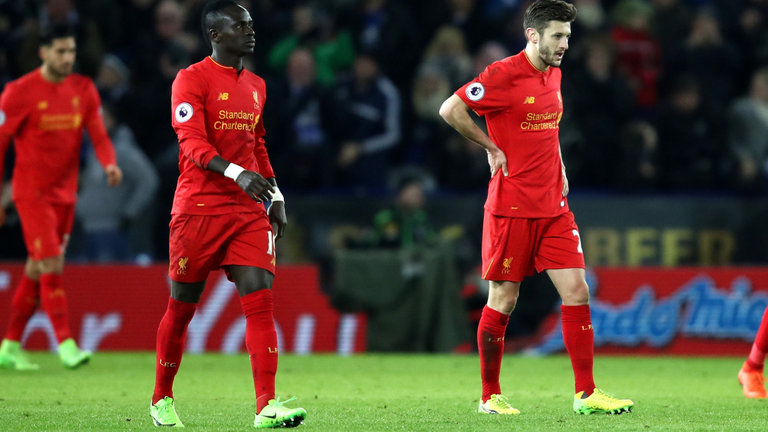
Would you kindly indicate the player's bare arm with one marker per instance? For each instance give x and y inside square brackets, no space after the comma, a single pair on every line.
[251,182]
[456,113]
[566,188]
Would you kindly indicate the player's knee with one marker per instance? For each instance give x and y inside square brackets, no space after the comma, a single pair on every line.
[32,269]
[251,279]
[52,265]
[577,295]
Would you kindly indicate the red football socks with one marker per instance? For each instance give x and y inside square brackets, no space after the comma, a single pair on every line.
[490,343]
[170,345]
[579,341]
[23,305]
[54,302]
[756,358]
[261,342]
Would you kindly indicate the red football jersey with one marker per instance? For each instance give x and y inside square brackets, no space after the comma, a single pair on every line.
[217,111]
[522,107]
[47,121]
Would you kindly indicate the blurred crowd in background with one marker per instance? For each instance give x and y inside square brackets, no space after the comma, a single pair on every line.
[660,95]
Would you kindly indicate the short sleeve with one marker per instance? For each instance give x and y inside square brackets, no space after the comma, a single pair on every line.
[489,91]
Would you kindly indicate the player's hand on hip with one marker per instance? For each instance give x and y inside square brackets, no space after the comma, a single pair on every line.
[497,160]
[114,175]
[277,217]
[256,186]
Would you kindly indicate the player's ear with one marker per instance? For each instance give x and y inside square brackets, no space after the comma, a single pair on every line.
[532,35]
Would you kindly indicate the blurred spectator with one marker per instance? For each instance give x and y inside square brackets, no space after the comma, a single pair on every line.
[114,219]
[751,41]
[598,104]
[90,46]
[366,126]
[748,135]
[406,224]
[447,51]
[427,130]
[638,53]
[690,138]
[488,53]
[386,30]
[332,48]
[670,24]
[591,17]
[461,165]
[297,118]
[160,55]
[465,15]
[113,79]
[638,169]
[705,55]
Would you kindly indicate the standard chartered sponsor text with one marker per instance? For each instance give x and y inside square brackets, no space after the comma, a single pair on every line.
[251,119]
[548,120]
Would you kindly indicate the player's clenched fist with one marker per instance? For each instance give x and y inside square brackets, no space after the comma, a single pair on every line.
[114,175]
[255,185]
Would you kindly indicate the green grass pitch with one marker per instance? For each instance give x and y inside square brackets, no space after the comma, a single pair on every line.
[380,393]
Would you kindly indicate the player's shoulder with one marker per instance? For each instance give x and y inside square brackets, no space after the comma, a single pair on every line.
[24,82]
[195,71]
[80,81]
[502,68]
[258,80]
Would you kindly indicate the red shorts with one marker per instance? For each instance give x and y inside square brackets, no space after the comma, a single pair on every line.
[514,247]
[46,226]
[200,244]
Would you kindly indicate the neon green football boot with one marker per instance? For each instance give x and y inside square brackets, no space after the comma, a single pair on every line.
[497,404]
[275,415]
[71,355]
[600,402]
[164,414]
[13,357]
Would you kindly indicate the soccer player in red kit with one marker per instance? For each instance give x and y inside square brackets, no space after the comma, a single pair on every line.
[218,216]
[527,224]
[45,112]
[751,375]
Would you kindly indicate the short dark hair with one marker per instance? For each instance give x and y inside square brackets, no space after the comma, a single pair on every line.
[56,31]
[541,12]
[211,12]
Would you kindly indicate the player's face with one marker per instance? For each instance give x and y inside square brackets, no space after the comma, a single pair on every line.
[59,56]
[554,42]
[236,33]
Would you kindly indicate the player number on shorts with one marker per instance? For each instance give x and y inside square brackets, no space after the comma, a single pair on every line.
[271,243]
[576,234]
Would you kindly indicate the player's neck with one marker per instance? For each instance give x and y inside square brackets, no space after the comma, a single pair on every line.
[534,58]
[228,60]
[50,75]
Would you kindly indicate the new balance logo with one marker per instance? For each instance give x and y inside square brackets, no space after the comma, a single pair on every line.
[223,96]
[587,327]
[272,350]
[529,100]
[496,340]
